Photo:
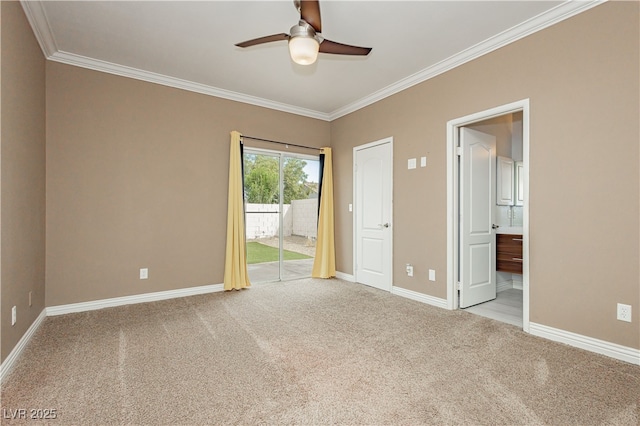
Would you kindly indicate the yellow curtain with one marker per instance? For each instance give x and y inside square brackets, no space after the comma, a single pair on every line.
[235,266]
[324,264]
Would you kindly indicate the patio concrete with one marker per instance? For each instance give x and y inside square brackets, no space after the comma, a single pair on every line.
[268,271]
[292,269]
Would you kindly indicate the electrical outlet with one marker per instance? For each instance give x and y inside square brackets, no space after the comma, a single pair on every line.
[144,273]
[624,312]
[14,315]
[30,296]
[409,270]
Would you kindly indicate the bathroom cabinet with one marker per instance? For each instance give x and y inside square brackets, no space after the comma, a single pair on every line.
[505,182]
[509,253]
[519,184]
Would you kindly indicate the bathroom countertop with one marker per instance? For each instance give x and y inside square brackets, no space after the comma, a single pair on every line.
[515,230]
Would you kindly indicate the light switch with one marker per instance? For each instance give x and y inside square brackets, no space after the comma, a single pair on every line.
[144,273]
[432,275]
[350,207]
[411,164]
[423,161]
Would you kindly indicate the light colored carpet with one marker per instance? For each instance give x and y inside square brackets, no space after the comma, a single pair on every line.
[311,352]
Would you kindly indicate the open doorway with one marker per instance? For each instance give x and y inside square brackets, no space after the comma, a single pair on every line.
[488,206]
[281,206]
[505,303]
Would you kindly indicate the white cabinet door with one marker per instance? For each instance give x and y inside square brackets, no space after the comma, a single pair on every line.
[505,182]
[519,184]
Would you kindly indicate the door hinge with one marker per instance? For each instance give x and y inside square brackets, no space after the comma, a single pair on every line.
[459,150]
[459,285]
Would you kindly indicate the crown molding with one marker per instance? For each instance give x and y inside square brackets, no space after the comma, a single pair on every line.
[151,77]
[36,16]
[40,24]
[546,19]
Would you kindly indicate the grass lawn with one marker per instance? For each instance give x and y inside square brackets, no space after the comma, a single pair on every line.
[260,253]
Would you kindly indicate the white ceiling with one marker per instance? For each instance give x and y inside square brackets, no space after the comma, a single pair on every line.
[191,44]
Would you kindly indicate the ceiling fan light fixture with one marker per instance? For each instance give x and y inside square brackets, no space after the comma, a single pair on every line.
[305,38]
[303,44]
[303,50]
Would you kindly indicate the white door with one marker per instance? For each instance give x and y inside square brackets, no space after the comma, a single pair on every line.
[477,200]
[372,210]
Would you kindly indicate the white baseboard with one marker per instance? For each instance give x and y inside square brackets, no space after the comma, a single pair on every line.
[602,347]
[6,366]
[420,297]
[129,300]
[504,285]
[346,277]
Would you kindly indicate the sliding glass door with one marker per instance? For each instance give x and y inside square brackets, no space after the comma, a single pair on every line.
[262,208]
[281,205]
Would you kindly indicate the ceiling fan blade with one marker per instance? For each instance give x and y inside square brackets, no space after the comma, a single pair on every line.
[310,13]
[328,46]
[261,40]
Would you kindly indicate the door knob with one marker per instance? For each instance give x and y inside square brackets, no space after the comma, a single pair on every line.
[386,225]
[494,226]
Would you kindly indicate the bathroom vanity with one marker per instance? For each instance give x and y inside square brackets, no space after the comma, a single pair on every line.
[509,250]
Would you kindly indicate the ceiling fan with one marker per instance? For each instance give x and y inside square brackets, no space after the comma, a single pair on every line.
[305,40]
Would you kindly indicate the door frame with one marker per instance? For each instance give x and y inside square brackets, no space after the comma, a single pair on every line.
[281,156]
[388,140]
[453,189]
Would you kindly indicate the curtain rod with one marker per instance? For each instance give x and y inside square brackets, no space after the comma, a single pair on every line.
[278,142]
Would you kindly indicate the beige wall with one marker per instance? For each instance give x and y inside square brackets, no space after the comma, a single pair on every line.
[23,175]
[137,178]
[502,128]
[581,77]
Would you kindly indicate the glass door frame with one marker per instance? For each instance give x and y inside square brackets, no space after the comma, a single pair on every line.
[281,157]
